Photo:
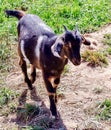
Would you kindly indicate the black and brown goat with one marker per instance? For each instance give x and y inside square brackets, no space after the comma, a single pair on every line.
[42,48]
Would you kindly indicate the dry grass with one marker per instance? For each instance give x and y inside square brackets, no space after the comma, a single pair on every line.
[94,58]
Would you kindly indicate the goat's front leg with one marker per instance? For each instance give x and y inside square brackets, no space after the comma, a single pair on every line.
[51,85]
[23,66]
[33,74]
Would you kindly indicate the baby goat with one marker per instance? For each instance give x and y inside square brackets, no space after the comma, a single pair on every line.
[42,48]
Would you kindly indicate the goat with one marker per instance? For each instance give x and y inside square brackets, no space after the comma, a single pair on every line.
[43,49]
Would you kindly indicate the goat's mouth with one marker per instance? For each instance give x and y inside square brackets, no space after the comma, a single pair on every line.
[76,62]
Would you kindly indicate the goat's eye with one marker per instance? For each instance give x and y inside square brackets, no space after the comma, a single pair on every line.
[66,44]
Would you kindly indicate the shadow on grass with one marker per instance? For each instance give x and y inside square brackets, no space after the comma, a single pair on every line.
[35,115]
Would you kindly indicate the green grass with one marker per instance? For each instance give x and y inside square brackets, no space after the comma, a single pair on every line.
[27,112]
[6,95]
[8,102]
[88,14]
[107,39]
[104,110]
[66,70]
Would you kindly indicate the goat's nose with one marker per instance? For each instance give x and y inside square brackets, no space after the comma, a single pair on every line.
[76,62]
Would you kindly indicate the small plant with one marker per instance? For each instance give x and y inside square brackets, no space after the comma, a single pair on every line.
[107,39]
[66,70]
[6,95]
[95,58]
[5,54]
[27,112]
[4,51]
[31,110]
[109,50]
[104,110]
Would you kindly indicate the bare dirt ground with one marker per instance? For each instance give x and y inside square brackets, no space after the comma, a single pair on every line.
[77,96]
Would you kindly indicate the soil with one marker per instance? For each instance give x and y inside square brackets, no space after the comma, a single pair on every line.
[77,96]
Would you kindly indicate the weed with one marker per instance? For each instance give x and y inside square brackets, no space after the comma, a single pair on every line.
[104,110]
[8,102]
[66,69]
[27,112]
[45,123]
[107,39]
[4,51]
[8,109]
[6,95]
[31,110]
[95,58]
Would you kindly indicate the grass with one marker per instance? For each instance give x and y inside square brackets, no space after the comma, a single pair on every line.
[88,14]
[104,110]
[8,102]
[107,39]
[6,95]
[66,70]
[27,112]
[95,58]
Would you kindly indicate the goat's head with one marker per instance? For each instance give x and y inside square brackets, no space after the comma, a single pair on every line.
[68,45]
[72,43]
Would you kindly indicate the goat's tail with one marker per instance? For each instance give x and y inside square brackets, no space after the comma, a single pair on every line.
[16,13]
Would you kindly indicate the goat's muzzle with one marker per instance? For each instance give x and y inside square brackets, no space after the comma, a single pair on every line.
[76,62]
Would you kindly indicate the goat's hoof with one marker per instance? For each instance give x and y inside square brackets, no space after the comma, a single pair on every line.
[31,88]
[54,117]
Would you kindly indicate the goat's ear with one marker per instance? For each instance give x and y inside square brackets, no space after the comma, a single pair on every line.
[56,50]
[77,33]
[85,41]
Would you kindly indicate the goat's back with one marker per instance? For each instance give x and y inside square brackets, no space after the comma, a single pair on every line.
[31,25]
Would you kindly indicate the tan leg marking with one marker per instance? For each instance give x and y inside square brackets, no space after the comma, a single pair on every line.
[51,80]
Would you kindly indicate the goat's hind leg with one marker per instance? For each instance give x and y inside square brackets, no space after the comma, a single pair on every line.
[33,74]
[23,66]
